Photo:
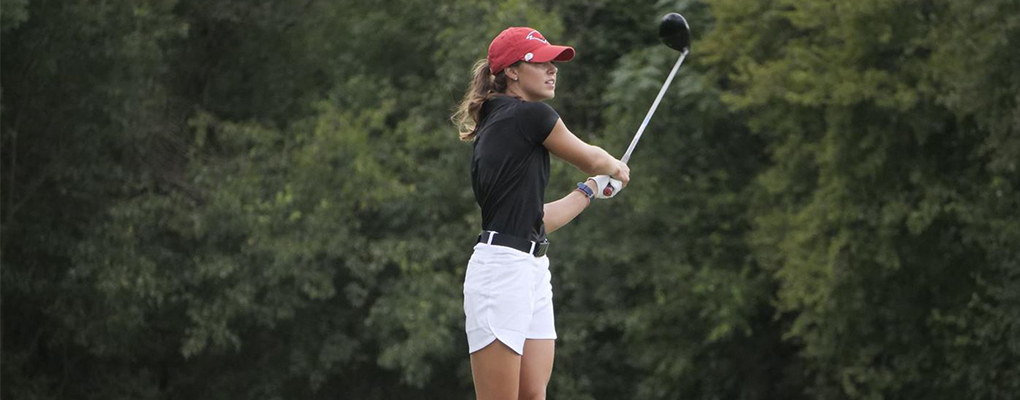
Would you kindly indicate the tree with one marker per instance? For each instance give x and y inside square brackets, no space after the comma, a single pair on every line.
[875,215]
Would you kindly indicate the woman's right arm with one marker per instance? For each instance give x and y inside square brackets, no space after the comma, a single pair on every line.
[592,160]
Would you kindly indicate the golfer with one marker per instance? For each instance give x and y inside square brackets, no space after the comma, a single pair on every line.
[507,288]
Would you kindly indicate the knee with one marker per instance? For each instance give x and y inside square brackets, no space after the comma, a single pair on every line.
[532,394]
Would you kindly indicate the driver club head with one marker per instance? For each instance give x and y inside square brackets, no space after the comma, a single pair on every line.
[674,32]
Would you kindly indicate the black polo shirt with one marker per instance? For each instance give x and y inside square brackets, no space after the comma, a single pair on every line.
[510,166]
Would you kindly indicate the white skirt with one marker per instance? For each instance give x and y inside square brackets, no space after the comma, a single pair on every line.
[507,297]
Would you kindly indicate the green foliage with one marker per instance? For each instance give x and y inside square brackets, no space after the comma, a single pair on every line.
[12,14]
[268,200]
[875,216]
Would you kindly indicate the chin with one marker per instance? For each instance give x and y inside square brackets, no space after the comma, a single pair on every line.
[543,95]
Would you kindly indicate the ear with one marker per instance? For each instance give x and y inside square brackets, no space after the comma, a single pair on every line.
[511,73]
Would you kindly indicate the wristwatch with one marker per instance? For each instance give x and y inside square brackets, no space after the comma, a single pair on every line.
[583,188]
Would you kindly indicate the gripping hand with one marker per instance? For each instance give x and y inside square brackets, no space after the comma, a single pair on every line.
[607,187]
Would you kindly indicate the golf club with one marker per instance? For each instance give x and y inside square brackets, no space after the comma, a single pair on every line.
[676,34]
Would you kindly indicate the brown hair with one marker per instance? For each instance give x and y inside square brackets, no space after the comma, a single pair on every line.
[484,86]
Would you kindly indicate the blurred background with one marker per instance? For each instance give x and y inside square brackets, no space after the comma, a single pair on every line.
[224,199]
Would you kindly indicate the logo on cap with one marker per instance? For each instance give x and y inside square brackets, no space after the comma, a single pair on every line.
[532,36]
[528,57]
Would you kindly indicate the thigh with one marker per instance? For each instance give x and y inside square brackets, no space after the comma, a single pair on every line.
[536,367]
[496,370]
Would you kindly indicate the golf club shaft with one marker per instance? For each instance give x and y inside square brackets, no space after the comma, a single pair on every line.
[648,117]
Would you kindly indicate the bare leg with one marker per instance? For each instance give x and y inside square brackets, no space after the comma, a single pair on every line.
[496,371]
[536,367]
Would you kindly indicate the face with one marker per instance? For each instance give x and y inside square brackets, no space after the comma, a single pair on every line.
[535,81]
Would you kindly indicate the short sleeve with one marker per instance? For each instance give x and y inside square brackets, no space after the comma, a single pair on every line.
[536,120]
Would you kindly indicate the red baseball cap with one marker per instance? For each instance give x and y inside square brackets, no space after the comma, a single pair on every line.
[524,44]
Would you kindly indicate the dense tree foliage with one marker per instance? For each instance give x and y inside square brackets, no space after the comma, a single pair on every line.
[265,200]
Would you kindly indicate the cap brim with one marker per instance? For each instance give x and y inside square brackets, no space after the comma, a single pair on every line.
[553,53]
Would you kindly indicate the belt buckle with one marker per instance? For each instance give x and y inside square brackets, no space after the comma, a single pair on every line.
[542,248]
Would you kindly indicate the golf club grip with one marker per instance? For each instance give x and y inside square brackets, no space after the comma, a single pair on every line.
[648,117]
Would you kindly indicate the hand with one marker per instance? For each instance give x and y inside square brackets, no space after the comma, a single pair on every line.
[622,173]
[606,187]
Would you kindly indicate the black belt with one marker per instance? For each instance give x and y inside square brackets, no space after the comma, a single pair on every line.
[538,249]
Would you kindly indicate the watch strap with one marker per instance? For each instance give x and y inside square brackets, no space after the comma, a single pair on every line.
[583,188]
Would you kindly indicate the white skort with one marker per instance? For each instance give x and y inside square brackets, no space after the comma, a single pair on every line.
[507,297]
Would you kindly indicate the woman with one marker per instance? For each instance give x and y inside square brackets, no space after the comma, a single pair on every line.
[507,290]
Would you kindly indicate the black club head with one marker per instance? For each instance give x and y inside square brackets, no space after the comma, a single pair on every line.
[674,32]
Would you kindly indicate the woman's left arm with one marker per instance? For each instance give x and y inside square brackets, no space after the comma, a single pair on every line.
[562,211]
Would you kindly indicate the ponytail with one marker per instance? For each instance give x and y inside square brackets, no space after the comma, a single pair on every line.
[483,87]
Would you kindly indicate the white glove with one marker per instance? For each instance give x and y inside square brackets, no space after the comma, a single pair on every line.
[606,187]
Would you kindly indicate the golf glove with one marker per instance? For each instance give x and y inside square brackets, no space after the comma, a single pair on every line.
[607,187]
